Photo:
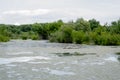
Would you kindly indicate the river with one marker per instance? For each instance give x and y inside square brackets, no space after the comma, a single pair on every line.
[42,60]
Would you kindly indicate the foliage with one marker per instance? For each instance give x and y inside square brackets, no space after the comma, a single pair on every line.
[94,24]
[34,37]
[82,24]
[4,38]
[78,36]
[4,35]
[24,36]
[63,35]
[115,27]
[80,32]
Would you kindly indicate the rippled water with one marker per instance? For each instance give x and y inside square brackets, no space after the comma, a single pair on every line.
[41,60]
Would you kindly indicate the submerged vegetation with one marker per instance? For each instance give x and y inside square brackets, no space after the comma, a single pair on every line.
[73,54]
[118,53]
[80,32]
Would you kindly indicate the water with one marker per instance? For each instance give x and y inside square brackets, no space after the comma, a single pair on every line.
[41,60]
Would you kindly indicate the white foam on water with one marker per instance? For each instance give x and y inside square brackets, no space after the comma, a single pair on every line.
[58,63]
[93,63]
[60,73]
[18,53]
[98,63]
[21,59]
[36,70]
[114,59]
[11,65]
[38,62]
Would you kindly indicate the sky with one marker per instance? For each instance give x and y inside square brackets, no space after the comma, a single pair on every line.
[32,11]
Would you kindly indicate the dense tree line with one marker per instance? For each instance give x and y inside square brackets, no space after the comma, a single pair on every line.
[80,32]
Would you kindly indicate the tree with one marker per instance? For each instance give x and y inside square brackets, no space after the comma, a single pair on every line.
[94,24]
[63,35]
[115,27]
[82,24]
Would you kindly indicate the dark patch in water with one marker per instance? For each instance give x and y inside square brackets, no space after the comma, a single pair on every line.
[73,54]
[118,53]
[114,46]
[63,54]
[118,58]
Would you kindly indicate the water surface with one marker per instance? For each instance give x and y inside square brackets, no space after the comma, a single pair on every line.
[41,60]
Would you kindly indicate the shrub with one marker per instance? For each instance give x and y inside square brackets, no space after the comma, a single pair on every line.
[63,35]
[56,37]
[4,38]
[77,37]
[24,37]
[107,39]
[34,37]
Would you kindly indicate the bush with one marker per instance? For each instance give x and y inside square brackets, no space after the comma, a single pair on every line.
[35,37]
[24,37]
[107,39]
[4,38]
[56,37]
[114,39]
[63,35]
[77,37]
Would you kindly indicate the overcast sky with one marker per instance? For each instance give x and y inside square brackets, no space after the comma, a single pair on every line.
[31,11]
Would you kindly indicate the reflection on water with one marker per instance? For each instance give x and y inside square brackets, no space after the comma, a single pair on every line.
[41,60]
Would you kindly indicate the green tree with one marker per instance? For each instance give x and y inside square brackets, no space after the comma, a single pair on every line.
[82,24]
[63,35]
[115,27]
[94,24]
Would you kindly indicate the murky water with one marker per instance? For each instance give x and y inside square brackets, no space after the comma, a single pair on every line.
[41,60]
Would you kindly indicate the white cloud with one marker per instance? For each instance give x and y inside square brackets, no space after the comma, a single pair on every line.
[48,15]
[27,12]
[51,10]
[17,23]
